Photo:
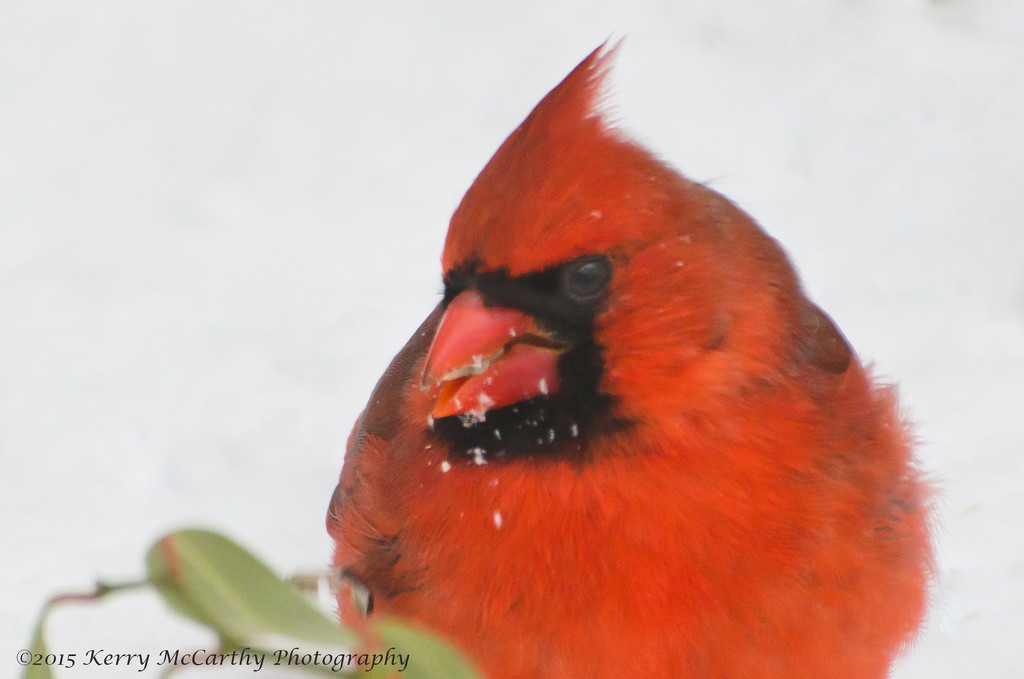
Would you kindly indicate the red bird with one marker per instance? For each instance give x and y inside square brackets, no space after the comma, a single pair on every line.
[626,442]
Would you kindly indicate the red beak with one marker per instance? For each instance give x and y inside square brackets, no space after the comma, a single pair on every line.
[484,358]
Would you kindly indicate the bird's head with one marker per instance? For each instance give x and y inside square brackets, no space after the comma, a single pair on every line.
[589,287]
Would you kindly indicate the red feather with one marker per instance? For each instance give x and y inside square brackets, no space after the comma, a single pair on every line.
[750,506]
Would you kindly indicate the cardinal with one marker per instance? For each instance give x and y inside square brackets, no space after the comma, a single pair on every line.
[625,442]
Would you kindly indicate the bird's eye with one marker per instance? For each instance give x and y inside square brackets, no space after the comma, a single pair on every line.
[585,279]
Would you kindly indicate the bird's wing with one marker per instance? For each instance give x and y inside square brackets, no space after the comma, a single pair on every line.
[364,525]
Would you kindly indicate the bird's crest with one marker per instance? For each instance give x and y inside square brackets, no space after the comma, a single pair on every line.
[557,185]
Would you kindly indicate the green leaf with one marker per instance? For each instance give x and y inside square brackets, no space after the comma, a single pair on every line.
[429,657]
[210,579]
[37,649]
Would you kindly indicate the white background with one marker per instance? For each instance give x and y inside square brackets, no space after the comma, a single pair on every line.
[220,219]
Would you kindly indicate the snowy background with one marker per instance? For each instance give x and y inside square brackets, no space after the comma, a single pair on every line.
[220,219]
